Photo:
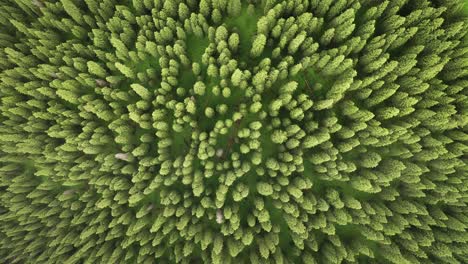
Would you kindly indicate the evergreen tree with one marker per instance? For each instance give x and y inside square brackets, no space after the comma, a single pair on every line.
[258,45]
[234,8]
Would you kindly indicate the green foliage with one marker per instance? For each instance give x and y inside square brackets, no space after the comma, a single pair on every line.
[264,188]
[258,45]
[219,131]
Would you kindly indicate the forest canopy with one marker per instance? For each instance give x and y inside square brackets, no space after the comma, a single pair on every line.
[229,131]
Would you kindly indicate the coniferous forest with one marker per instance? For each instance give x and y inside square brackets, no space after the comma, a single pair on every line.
[229,131]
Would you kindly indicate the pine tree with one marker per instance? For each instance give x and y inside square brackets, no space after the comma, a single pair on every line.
[141,91]
[72,10]
[199,88]
[126,71]
[258,45]
[296,42]
[96,69]
[234,8]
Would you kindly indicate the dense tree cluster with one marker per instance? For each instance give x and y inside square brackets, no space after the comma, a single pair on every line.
[216,131]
